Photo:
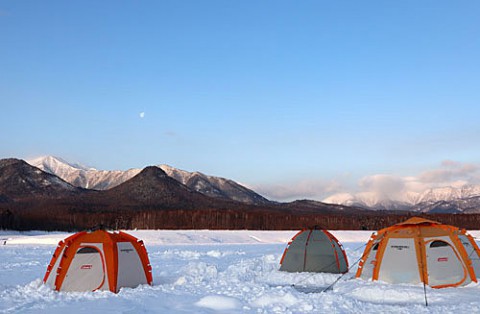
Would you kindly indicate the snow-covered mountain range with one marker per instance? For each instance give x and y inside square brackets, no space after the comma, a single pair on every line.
[464,199]
[91,178]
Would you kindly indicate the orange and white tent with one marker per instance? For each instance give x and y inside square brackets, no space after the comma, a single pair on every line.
[420,250]
[98,260]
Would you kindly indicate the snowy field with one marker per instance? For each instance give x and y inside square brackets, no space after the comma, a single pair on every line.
[217,272]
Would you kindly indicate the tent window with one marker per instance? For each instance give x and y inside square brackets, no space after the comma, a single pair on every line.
[87,250]
[438,243]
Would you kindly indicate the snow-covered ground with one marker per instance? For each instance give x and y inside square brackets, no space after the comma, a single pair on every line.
[216,272]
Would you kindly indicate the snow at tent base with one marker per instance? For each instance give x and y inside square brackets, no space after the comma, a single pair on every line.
[216,272]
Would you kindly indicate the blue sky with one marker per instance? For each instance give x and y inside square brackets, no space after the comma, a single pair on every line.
[269,93]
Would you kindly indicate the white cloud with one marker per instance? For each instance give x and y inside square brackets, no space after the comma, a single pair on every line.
[384,186]
[406,188]
[310,189]
[142,115]
[451,171]
[376,186]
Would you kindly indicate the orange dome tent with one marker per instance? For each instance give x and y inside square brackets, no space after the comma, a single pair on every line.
[420,250]
[98,260]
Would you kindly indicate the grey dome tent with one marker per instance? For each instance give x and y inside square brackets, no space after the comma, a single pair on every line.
[314,250]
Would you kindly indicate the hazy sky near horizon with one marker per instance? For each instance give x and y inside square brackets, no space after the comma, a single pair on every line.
[298,98]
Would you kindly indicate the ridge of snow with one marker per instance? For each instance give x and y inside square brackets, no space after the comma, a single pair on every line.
[57,163]
[82,176]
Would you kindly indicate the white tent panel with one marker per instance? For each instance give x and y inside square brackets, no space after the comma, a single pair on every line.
[87,270]
[443,263]
[130,269]
[472,254]
[399,263]
[53,273]
[370,262]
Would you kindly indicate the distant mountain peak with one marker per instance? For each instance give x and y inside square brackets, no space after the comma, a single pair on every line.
[152,171]
[153,186]
[20,179]
[10,161]
[55,163]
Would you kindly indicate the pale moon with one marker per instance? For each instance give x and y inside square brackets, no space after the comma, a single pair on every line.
[142,115]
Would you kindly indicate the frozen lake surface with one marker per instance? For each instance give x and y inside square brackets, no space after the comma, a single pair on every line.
[216,272]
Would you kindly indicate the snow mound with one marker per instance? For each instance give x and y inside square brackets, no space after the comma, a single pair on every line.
[279,299]
[219,303]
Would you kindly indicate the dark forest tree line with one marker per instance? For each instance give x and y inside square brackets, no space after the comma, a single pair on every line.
[75,219]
